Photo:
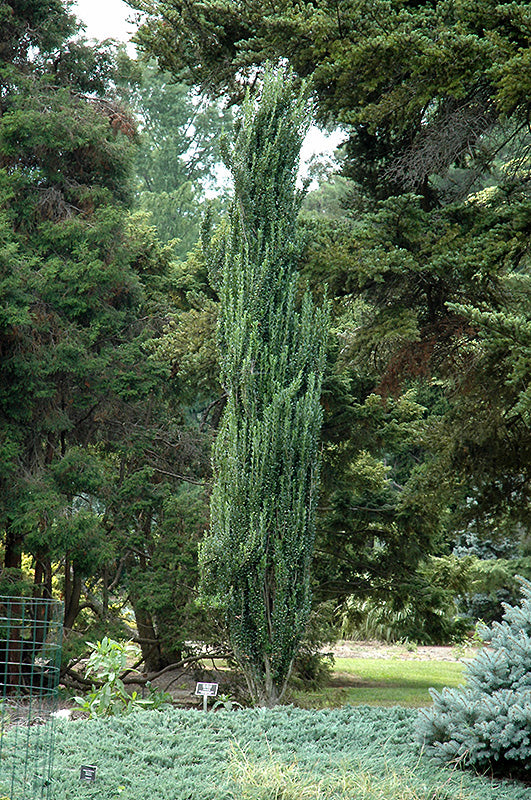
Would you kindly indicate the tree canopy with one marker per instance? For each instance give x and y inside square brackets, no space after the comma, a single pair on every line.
[419,86]
[92,436]
[428,264]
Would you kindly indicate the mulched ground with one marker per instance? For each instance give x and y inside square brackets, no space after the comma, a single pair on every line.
[348,649]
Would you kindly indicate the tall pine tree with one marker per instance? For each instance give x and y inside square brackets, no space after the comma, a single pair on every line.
[256,560]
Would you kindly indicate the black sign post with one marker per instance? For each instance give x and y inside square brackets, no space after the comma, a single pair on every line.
[88,773]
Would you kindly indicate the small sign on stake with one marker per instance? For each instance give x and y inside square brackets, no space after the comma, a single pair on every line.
[88,773]
[206,690]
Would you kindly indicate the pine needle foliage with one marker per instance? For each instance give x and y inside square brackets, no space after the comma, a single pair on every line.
[256,560]
[487,723]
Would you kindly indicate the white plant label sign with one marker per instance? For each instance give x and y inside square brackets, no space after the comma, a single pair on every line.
[207,689]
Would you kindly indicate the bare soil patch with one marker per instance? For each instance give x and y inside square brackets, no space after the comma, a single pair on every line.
[369,649]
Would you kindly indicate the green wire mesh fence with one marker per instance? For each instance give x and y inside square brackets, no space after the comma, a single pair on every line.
[30,658]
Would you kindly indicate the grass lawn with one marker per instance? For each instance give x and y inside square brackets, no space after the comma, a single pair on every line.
[382,682]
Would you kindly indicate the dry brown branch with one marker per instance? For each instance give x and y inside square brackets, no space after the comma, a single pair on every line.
[453,132]
[183,664]
[141,680]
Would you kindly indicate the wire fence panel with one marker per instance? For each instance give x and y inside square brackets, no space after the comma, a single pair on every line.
[31,633]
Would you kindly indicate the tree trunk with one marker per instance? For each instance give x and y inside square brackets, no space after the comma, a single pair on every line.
[42,578]
[263,691]
[11,644]
[73,587]
[147,636]
[13,549]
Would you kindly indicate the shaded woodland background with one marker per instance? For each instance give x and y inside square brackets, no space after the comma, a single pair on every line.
[109,384]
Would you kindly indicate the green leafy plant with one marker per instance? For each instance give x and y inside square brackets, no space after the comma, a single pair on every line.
[107,662]
[226,702]
[158,698]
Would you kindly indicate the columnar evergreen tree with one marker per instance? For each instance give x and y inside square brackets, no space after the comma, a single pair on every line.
[256,560]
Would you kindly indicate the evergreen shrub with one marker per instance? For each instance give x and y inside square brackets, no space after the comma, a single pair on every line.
[486,724]
[356,753]
[255,562]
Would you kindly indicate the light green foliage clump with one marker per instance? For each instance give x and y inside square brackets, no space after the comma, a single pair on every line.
[178,153]
[107,662]
[487,723]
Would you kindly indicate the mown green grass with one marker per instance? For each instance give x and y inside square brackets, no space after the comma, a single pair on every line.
[381,682]
[256,754]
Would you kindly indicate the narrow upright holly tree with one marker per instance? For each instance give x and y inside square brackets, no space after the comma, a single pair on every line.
[256,560]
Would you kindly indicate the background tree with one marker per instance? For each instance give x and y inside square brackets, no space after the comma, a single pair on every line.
[178,155]
[434,241]
[97,450]
[61,161]
[431,80]
[256,560]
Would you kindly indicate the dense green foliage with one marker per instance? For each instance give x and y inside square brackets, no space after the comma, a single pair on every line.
[71,292]
[431,79]
[256,560]
[178,153]
[426,254]
[94,443]
[359,754]
[486,724]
